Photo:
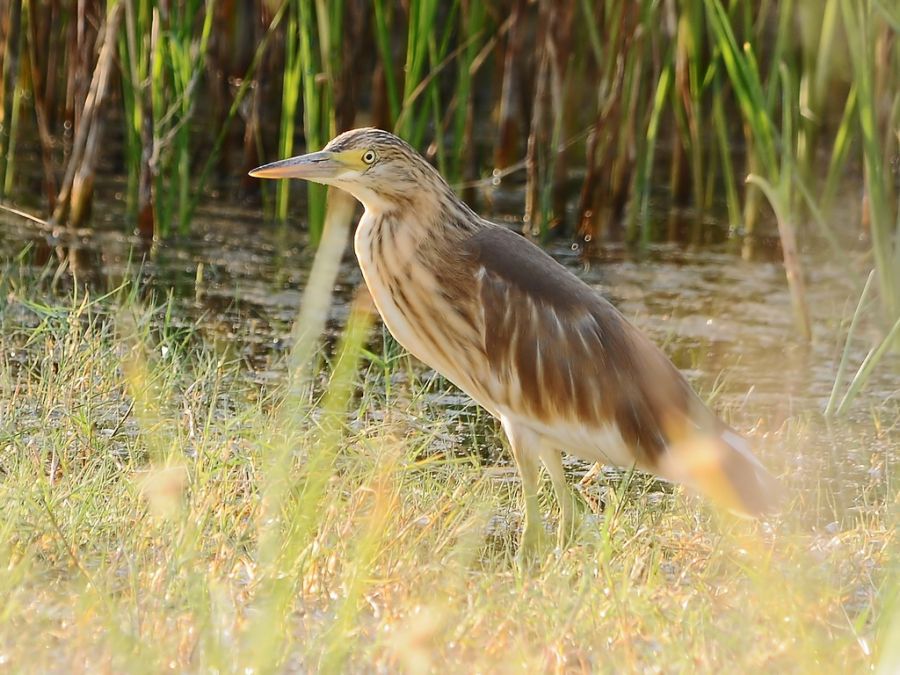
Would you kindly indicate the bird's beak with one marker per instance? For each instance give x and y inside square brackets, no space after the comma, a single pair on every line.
[319,167]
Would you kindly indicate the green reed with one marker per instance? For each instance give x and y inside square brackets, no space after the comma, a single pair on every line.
[472,24]
[865,25]
[725,148]
[442,40]
[818,23]
[134,56]
[421,21]
[291,89]
[427,46]
[692,80]
[240,97]
[173,95]
[702,92]
[383,15]
[160,50]
[774,147]
[840,151]
[645,168]
[868,365]
[320,28]
[15,111]
[9,93]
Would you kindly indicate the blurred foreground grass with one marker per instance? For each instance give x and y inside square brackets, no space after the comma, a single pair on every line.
[160,511]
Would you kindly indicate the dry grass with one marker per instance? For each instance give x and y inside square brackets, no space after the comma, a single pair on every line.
[161,512]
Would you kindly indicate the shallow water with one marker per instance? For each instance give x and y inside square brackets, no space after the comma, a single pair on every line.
[725,322]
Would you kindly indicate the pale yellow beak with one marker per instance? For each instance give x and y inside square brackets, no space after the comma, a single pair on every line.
[319,167]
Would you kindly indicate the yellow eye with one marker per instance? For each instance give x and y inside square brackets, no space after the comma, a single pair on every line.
[368,156]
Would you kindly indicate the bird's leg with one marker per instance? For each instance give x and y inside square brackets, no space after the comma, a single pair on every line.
[552,460]
[525,452]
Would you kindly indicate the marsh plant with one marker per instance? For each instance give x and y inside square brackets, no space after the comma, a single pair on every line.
[161,508]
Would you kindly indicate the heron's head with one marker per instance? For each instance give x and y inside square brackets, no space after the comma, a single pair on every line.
[381,170]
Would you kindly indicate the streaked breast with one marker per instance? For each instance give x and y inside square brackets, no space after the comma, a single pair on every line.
[423,300]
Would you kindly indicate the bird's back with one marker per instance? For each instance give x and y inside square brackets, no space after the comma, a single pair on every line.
[567,359]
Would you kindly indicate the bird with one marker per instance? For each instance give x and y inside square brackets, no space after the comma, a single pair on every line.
[538,348]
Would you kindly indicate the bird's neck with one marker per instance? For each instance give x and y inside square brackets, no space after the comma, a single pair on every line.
[375,203]
[420,215]
[429,238]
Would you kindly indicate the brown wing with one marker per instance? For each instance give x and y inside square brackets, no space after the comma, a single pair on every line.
[564,353]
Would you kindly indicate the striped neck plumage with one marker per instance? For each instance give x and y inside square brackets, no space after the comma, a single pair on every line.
[426,211]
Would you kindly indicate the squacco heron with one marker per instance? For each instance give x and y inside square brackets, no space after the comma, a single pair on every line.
[549,357]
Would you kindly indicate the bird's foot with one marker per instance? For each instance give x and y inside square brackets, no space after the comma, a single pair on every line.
[571,513]
[566,530]
[534,545]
